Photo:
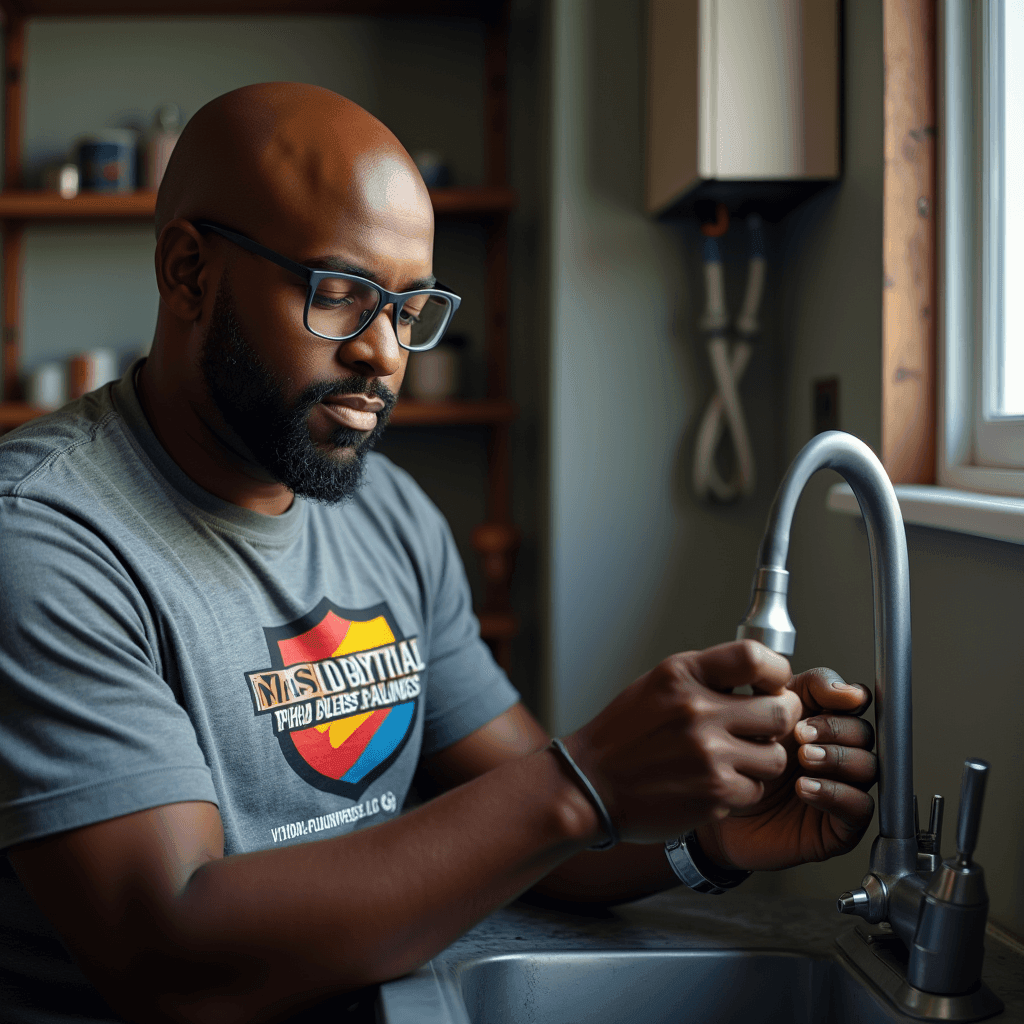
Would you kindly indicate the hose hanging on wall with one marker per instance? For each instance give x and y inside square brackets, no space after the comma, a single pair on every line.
[728,363]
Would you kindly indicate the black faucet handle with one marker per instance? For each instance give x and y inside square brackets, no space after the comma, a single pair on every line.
[935,822]
[972,793]
[929,841]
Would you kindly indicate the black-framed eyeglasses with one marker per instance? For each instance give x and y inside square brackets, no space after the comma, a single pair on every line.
[339,307]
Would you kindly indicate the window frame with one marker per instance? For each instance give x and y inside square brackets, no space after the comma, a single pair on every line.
[969,254]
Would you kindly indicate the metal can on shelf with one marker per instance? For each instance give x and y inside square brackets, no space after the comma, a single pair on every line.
[106,160]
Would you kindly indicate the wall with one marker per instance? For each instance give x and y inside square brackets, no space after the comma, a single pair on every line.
[528,336]
[832,317]
[638,568]
[967,594]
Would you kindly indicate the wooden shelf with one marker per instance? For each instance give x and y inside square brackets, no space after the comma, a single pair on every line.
[456,412]
[13,414]
[136,8]
[408,413]
[498,625]
[471,199]
[42,205]
[39,205]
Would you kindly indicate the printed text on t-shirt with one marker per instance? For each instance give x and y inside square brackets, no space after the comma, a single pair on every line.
[325,822]
[316,691]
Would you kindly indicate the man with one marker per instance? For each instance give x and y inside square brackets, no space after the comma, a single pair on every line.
[210,683]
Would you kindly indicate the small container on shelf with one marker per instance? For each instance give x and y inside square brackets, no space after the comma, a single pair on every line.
[106,160]
[436,375]
[89,370]
[62,178]
[433,169]
[46,387]
[158,144]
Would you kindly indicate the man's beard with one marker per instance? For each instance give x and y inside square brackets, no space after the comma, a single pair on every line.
[250,397]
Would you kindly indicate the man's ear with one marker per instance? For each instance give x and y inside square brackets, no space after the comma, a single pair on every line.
[181,265]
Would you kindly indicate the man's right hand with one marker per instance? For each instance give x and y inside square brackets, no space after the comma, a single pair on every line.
[679,748]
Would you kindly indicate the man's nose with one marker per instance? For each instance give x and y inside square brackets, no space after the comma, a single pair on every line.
[375,352]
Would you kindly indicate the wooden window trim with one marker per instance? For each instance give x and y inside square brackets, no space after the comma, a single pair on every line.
[909,300]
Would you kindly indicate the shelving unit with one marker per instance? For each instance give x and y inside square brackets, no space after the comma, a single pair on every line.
[35,205]
[408,413]
[489,204]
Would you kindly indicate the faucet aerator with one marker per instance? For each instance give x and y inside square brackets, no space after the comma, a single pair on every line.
[767,618]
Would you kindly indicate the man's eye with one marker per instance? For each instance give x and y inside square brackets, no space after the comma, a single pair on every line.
[331,300]
[409,316]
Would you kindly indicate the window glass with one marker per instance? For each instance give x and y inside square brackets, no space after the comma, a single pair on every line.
[1010,396]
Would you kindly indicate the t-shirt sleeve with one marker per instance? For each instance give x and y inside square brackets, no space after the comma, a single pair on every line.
[466,688]
[89,728]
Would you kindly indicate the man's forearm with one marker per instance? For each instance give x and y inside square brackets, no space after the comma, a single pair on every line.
[627,872]
[267,929]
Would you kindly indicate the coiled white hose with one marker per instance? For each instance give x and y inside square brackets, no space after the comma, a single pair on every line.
[728,363]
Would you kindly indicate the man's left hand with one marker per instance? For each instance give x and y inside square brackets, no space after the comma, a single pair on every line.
[820,806]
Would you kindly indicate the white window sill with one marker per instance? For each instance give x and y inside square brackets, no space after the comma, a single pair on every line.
[943,508]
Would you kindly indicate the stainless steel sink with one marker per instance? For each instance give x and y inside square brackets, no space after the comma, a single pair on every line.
[662,987]
[671,958]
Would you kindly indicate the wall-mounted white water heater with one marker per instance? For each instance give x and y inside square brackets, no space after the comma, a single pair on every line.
[743,103]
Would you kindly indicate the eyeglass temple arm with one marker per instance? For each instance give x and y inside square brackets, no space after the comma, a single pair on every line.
[255,248]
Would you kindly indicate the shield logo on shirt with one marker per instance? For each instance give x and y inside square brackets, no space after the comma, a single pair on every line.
[341,693]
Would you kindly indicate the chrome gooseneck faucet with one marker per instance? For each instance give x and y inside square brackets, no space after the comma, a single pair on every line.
[934,914]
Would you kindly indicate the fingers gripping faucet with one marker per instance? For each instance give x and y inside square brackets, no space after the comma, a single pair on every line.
[724,411]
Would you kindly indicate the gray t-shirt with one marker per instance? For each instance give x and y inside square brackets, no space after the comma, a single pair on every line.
[158,644]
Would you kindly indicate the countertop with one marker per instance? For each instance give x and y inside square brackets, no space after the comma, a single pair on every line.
[674,920]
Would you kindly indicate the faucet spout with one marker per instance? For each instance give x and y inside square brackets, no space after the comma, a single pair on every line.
[894,854]
[939,920]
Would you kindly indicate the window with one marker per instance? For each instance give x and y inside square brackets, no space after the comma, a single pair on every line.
[982,266]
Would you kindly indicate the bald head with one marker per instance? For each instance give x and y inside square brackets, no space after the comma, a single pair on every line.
[279,159]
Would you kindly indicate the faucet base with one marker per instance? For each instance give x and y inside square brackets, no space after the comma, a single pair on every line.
[881,958]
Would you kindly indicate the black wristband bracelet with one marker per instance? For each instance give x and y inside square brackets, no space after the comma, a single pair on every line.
[602,811]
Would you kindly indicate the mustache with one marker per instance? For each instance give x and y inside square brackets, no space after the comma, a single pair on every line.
[370,386]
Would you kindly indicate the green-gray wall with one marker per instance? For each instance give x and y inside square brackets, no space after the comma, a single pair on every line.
[967,593]
[637,568]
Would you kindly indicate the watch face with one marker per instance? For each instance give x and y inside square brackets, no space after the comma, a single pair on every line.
[683,866]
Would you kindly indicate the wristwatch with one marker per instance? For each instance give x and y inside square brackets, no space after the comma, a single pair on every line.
[693,868]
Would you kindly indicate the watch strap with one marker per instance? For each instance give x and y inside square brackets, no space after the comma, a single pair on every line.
[693,868]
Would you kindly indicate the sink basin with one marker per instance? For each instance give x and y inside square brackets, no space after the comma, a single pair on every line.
[662,987]
[670,959]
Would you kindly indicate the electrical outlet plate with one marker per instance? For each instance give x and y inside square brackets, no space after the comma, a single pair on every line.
[826,404]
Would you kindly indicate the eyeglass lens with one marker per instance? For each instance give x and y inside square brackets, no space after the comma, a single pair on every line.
[340,308]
